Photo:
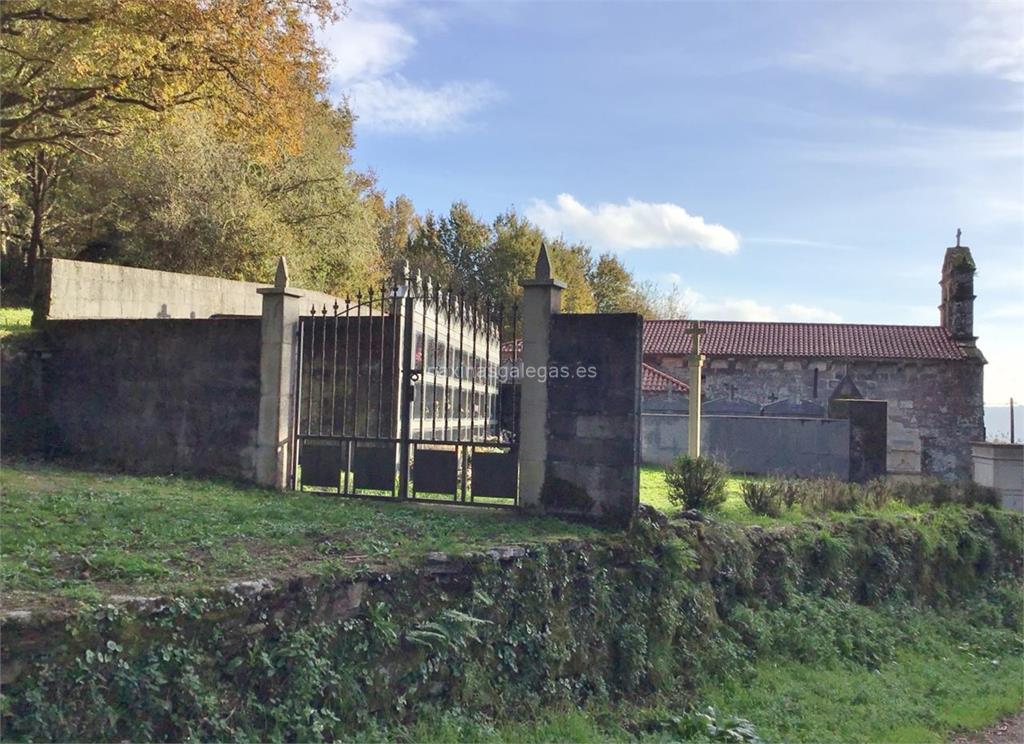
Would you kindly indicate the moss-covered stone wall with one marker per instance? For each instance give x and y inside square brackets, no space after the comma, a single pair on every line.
[501,632]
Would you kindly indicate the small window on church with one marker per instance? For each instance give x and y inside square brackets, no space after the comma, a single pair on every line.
[815,382]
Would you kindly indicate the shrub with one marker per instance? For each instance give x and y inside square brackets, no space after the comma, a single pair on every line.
[830,494]
[973,494]
[763,497]
[935,492]
[696,482]
[791,491]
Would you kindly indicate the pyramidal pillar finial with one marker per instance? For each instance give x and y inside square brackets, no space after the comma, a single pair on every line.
[281,277]
[543,270]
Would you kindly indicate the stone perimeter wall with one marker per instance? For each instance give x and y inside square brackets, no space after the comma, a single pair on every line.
[163,396]
[81,289]
[935,411]
[755,445]
[593,416]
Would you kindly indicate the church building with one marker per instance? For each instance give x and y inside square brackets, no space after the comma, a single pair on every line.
[929,376]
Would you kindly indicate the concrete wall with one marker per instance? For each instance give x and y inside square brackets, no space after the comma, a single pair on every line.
[1001,466]
[754,444]
[593,416]
[935,407]
[146,395]
[81,289]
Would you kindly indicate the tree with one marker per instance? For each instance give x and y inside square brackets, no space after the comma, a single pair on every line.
[75,70]
[511,257]
[154,201]
[76,73]
[664,304]
[397,224]
[573,264]
[452,250]
[464,241]
[612,285]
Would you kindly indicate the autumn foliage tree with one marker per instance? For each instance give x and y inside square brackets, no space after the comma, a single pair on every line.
[76,73]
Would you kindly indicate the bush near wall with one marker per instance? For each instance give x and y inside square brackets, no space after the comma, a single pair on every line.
[500,633]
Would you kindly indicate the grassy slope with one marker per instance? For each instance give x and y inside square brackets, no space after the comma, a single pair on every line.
[937,687]
[72,534]
[77,534]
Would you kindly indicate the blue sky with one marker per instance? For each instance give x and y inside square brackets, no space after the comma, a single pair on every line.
[774,161]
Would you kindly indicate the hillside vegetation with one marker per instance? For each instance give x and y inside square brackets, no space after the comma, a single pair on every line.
[869,627]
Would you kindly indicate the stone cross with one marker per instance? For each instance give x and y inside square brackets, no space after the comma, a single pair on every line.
[695,364]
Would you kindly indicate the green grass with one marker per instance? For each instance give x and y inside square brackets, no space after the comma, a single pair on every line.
[654,492]
[78,534]
[14,320]
[949,674]
[938,684]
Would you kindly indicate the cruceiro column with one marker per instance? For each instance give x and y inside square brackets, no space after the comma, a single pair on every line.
[696,363]
[277,380]
[542,298]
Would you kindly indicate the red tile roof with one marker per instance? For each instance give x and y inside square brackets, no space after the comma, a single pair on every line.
[842,340]
[656,381]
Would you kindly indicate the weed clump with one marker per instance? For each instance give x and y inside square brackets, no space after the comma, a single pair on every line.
[764,498]
[697,482]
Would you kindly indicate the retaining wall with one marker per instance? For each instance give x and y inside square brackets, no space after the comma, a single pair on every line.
[508,629]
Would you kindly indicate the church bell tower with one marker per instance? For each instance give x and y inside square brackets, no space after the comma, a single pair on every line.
[957,308]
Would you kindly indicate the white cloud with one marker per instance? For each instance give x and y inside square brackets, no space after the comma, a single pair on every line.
[362,47]
[735,308]
[635,224]
[902,41]
[368,47]
[395,104]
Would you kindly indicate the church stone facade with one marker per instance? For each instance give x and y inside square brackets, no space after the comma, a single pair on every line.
[929,376]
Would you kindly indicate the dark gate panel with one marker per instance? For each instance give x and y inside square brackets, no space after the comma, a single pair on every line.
[374,467]
[495,474]
[435,471]
[321,463]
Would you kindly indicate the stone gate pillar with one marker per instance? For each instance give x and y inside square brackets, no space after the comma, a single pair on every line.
[542,298]
[278,364]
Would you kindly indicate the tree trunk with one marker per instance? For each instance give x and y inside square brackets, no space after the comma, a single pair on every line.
[39,186]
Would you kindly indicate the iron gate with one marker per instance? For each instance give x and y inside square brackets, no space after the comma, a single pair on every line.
[408,392]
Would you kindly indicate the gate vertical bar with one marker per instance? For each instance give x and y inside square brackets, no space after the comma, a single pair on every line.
[406,393]
[359,353]
[380,367]
[323,373]
[369,363]
[293,469]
